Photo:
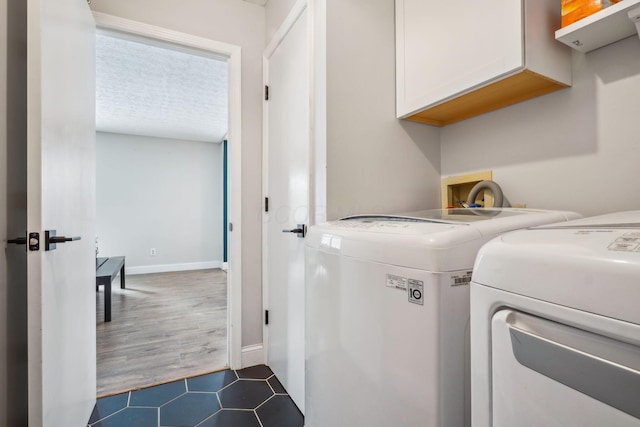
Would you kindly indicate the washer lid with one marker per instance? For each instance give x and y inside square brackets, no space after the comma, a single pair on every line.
[591,264]
[435,240]
[446,216]
[487,221]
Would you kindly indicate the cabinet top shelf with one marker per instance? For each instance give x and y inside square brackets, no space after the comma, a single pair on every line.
[600,29]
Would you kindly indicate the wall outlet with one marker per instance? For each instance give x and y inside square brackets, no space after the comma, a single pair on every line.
[153,252]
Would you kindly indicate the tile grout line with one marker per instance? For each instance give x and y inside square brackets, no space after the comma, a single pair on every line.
[108,416]
[172,400]
[228,385]
[256,410]
[209,417]
[239,409]
[258,418]
[269,384]
[270,397]
[219,401]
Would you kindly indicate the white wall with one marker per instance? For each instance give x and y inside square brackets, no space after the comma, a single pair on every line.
[243,24]
[575,149]
[159,193]
[375,163]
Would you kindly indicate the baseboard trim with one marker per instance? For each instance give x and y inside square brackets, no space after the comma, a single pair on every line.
[252,355]
[225,266]
[164,268]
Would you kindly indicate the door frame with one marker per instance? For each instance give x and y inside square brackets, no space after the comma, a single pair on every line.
[294,14]
[233,53]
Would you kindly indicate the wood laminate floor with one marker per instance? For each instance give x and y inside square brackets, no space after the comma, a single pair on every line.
[164,326]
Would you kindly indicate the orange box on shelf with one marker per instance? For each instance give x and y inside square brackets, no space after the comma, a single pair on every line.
[574,10]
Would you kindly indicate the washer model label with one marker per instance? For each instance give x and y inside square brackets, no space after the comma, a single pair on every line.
[396,282]
[461,278]
[416,291]
[628,242]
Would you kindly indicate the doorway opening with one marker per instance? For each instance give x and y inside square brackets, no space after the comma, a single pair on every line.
[161,189]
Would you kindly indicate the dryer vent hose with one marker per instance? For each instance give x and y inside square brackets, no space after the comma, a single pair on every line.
[498,198]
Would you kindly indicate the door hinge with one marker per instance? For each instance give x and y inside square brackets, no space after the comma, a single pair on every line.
[266,204]
[266,317]
[230,226]
[266,92]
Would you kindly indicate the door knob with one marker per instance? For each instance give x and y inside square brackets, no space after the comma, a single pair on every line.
[50,239]
[300,230]
[33,240]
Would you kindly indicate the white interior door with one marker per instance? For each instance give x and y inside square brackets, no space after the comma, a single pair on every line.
[288,192]
[61,196]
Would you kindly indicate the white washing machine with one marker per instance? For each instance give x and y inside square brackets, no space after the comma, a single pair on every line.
[387,315]
[555,326]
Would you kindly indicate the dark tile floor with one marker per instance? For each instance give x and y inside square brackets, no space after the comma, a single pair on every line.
[251,397]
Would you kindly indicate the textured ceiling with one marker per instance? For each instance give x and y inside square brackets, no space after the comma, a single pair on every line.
[149,90]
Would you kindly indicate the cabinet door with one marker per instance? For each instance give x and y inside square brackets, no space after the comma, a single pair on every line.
[447,48]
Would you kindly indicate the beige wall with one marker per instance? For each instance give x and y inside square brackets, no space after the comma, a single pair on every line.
[276,12]
[375,162]
[243,24]
[576,149]
[367,160]
[159,193]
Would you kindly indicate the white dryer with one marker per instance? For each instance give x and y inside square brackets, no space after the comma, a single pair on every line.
[387,315]
[555,326]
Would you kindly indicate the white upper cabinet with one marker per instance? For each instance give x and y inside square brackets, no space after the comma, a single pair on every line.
[458,58]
